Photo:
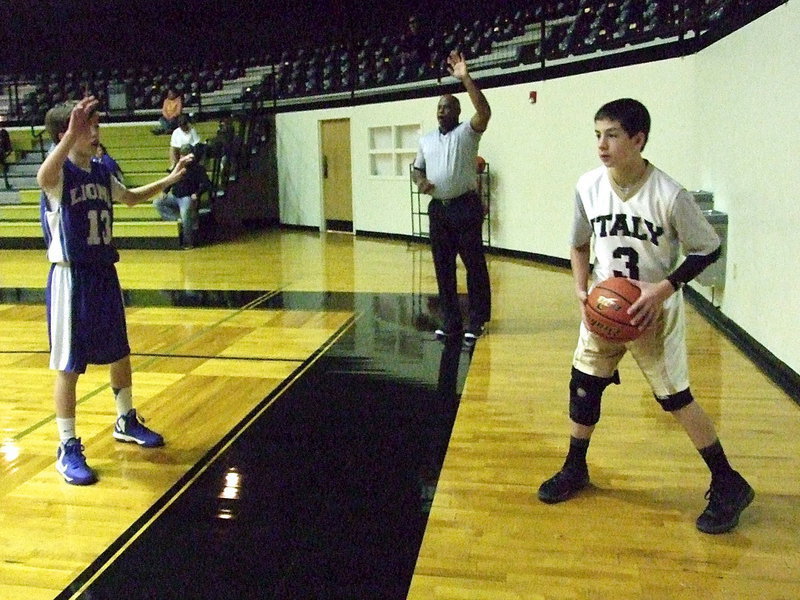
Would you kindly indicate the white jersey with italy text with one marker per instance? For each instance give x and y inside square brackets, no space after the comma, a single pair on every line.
[639,235]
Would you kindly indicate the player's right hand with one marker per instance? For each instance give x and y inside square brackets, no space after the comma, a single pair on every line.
[81,115]
[582,295]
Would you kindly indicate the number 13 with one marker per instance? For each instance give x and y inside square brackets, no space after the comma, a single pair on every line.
[98,219]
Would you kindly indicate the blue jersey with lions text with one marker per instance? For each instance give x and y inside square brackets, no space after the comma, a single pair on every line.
[78,219]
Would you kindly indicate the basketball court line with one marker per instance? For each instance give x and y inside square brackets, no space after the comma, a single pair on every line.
[117,565]
[295,366]
[96,569]
[152,360]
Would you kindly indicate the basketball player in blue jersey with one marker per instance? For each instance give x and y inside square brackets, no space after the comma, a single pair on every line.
[639,218]
[85,313]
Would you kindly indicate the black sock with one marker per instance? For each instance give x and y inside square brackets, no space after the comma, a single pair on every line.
[576,457]
[716,460]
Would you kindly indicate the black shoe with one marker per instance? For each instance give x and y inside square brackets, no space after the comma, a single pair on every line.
[472,334]
[727,498]
[443,333]
[562,486]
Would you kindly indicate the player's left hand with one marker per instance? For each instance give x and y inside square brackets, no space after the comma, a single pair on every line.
[457,65]
[648,307]
[179,170]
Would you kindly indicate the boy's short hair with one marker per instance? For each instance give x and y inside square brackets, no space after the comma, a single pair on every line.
[56,120]
[631,114]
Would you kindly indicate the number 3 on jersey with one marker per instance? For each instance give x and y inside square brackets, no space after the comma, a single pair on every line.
[99,219]
[631,258]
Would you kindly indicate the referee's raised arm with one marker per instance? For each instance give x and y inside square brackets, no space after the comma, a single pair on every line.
[483,112]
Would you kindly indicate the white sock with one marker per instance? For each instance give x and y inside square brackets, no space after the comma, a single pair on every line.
[66,429]
[124,399]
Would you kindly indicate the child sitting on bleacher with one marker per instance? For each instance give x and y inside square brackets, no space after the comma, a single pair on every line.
[102,157]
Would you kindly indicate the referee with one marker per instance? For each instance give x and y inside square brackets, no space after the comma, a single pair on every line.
[445,169]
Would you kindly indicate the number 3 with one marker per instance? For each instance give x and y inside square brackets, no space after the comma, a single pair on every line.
[631,262]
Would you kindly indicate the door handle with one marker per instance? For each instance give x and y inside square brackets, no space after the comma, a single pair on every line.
[324,167]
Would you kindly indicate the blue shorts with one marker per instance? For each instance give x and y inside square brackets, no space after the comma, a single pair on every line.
[85,317]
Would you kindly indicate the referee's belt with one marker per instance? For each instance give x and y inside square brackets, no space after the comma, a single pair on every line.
[457,199]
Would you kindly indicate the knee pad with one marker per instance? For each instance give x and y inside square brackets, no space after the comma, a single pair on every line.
[585,393]
[676,401]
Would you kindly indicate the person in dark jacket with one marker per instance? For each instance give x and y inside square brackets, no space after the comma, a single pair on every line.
[180,202]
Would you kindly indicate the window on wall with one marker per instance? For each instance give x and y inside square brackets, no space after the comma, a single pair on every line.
[391,149]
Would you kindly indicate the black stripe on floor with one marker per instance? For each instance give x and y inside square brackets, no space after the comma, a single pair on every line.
[326,494]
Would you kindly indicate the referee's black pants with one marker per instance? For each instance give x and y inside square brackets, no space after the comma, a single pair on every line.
[455,229]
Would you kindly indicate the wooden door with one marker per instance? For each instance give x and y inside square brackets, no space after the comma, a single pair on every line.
[337,190]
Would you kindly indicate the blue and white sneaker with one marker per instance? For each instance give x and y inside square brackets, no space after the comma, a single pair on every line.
[131,428]
[71,463]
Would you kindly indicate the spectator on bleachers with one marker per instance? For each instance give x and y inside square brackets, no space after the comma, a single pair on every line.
[414,43]
[184,134]
[6,148]
[171,111]
[226,145]
[182,199]
[102,157]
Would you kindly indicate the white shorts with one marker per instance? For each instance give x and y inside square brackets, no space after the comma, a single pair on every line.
[660,352]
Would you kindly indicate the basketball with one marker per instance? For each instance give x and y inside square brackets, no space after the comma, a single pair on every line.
[607,309]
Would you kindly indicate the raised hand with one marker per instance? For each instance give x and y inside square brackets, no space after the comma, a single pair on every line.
[457,65]
[82,115]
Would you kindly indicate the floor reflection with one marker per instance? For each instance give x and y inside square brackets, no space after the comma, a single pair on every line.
[327,494]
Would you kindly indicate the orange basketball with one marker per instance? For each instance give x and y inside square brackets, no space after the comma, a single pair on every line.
[607,309]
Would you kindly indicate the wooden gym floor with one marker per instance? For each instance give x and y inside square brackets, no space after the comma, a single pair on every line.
[307,412]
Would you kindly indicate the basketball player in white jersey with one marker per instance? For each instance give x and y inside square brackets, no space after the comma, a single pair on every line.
[639,219]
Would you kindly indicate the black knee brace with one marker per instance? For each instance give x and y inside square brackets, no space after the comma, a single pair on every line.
[676,401]
[585,392]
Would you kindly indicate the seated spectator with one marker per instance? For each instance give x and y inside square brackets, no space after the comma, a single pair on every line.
[6,148]
[171,110]
[184,134]
[180,202]
[102,157]
[414,44]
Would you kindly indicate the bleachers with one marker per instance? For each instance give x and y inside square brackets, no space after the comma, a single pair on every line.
[512,40]
[503,48]
[143,158]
